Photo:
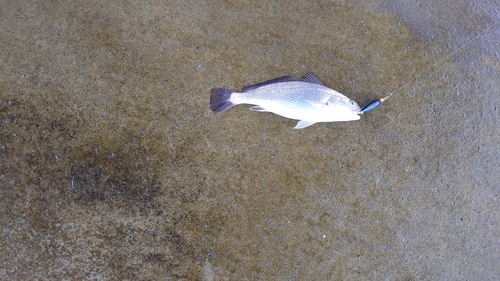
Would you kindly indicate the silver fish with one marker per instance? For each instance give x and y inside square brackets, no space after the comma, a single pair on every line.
[307,100]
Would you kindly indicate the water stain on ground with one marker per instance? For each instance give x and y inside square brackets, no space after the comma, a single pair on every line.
[113,166]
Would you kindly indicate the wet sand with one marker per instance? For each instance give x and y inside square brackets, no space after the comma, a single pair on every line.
[114,168]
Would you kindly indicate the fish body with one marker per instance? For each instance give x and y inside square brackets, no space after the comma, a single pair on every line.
[307,100]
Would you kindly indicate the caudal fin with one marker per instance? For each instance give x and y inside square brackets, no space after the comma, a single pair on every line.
[220,99]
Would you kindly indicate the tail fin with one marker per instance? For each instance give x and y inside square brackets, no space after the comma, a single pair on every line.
[219,99]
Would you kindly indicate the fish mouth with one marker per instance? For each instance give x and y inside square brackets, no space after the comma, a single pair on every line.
[357,115]
[355,108]
[357,111]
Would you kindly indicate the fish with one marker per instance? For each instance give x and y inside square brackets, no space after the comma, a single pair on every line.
[307,100]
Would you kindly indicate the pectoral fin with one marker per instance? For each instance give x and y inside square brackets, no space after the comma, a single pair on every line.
[302,124]
[258,108]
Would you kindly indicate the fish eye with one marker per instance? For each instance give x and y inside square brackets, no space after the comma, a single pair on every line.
[351,102]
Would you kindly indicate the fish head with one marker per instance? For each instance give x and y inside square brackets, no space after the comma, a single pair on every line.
[344,108]
[353,106]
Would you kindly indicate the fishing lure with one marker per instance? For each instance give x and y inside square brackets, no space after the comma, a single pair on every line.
[374,104]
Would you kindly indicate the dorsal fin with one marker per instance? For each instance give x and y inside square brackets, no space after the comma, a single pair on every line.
[272,81]
[311,78]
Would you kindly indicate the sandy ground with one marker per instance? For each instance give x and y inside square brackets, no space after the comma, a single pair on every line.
[114,168]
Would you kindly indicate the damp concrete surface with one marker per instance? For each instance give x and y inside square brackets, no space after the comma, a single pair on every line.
[113,167]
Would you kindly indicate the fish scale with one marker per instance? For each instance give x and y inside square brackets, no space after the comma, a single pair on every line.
[306,99]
